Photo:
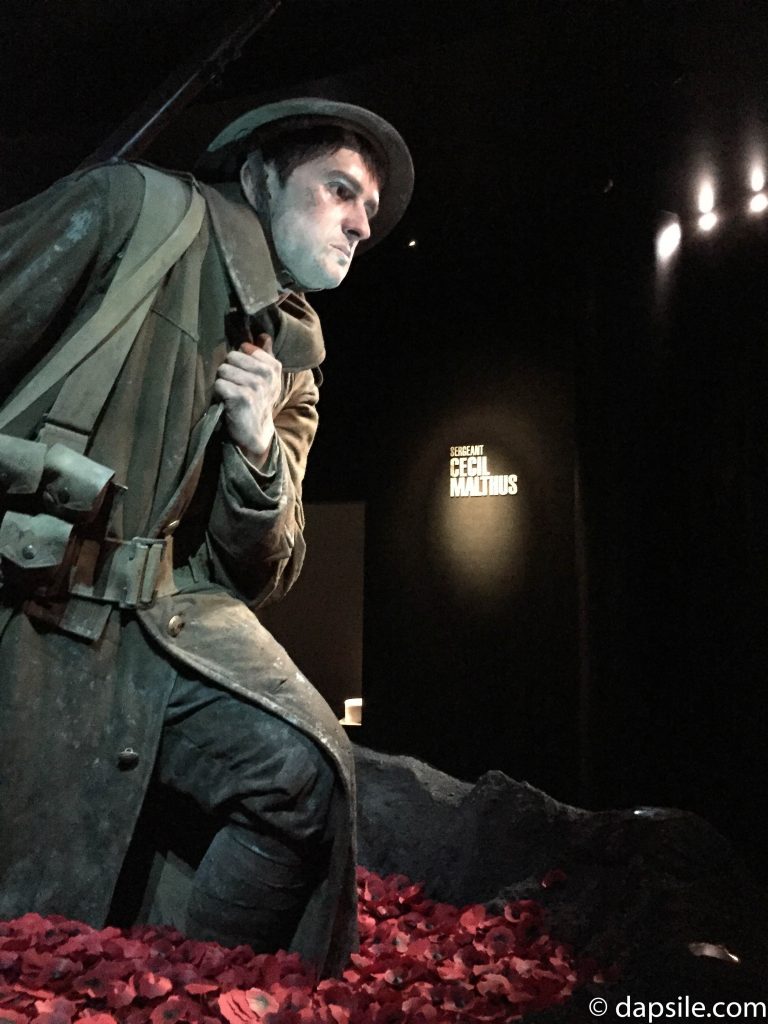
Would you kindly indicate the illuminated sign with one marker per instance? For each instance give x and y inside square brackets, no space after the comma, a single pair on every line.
[470,476]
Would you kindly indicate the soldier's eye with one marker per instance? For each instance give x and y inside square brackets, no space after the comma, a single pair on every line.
[343,191]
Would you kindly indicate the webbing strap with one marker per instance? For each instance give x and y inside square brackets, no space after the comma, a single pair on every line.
[71,422]
[126,304]
[198,442]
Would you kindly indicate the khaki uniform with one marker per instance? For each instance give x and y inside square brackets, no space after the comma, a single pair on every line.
[71,707]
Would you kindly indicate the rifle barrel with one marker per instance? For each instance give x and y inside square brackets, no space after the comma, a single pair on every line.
[146,123]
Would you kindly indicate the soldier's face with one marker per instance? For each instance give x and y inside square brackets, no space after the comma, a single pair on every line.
[320,214]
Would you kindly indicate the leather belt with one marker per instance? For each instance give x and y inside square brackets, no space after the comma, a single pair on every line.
[130,573]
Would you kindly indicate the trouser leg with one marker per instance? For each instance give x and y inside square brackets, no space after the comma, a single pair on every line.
[270,788]
[248,888]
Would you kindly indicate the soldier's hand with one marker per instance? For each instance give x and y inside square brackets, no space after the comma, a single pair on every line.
[248,383]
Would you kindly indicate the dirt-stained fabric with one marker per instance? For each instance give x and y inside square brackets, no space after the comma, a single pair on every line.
[68,707]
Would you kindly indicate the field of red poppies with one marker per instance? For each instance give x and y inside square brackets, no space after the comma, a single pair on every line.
[420,962]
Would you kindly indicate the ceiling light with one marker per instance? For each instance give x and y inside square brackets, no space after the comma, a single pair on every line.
[667,240]
[706,197]
[707,221]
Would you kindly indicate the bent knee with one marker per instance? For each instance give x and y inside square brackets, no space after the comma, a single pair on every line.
[299,786]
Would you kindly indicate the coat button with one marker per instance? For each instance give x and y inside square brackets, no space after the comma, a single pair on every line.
[175,625]
[127,759]
[28,552]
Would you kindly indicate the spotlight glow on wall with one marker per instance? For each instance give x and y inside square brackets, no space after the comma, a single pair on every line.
[758,203]
[668,240]
[757,178]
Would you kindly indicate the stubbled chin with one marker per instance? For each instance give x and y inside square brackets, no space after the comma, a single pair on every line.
[328,281]
[325,275]
[337,276]
[333,283]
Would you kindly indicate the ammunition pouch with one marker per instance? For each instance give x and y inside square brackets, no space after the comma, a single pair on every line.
[35,553]
[43,557]
[51,499]
[74,486]
[63,551]
[67,484]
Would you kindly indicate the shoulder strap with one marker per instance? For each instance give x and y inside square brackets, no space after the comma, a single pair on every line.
[170,218]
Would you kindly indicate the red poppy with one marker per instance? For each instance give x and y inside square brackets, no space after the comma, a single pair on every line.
[250,1006]
[458,996]
[96,980]
[419,962]
[45,969]
[200,988]
[472,918]
[121,947]
[497,941]
[12,1017]
[169,1011]
[54,1011]
[119,993]
[337,1014]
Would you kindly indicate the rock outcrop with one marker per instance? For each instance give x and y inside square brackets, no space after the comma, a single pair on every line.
[659,892]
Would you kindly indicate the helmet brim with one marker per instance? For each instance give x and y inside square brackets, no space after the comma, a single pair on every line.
[239,137]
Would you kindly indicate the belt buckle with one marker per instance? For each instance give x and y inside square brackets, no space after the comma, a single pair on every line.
[142,557]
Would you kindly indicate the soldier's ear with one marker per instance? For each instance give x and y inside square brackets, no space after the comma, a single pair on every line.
[246,178]
[256,177]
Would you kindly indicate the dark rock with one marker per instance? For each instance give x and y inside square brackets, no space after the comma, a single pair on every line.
[642,886]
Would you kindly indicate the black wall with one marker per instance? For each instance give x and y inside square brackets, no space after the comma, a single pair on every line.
[617,658]
[609,648]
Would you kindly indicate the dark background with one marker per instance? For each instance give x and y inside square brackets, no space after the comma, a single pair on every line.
[601,633]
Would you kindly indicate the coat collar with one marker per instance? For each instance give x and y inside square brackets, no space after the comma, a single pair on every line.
[299,342]
[244,247]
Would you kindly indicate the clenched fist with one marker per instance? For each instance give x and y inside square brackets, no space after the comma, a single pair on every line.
[248,383]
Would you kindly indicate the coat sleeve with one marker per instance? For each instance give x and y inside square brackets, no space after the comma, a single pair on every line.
[58,252]
[255,543]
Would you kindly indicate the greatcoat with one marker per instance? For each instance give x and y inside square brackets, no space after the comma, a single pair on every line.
[69,706]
